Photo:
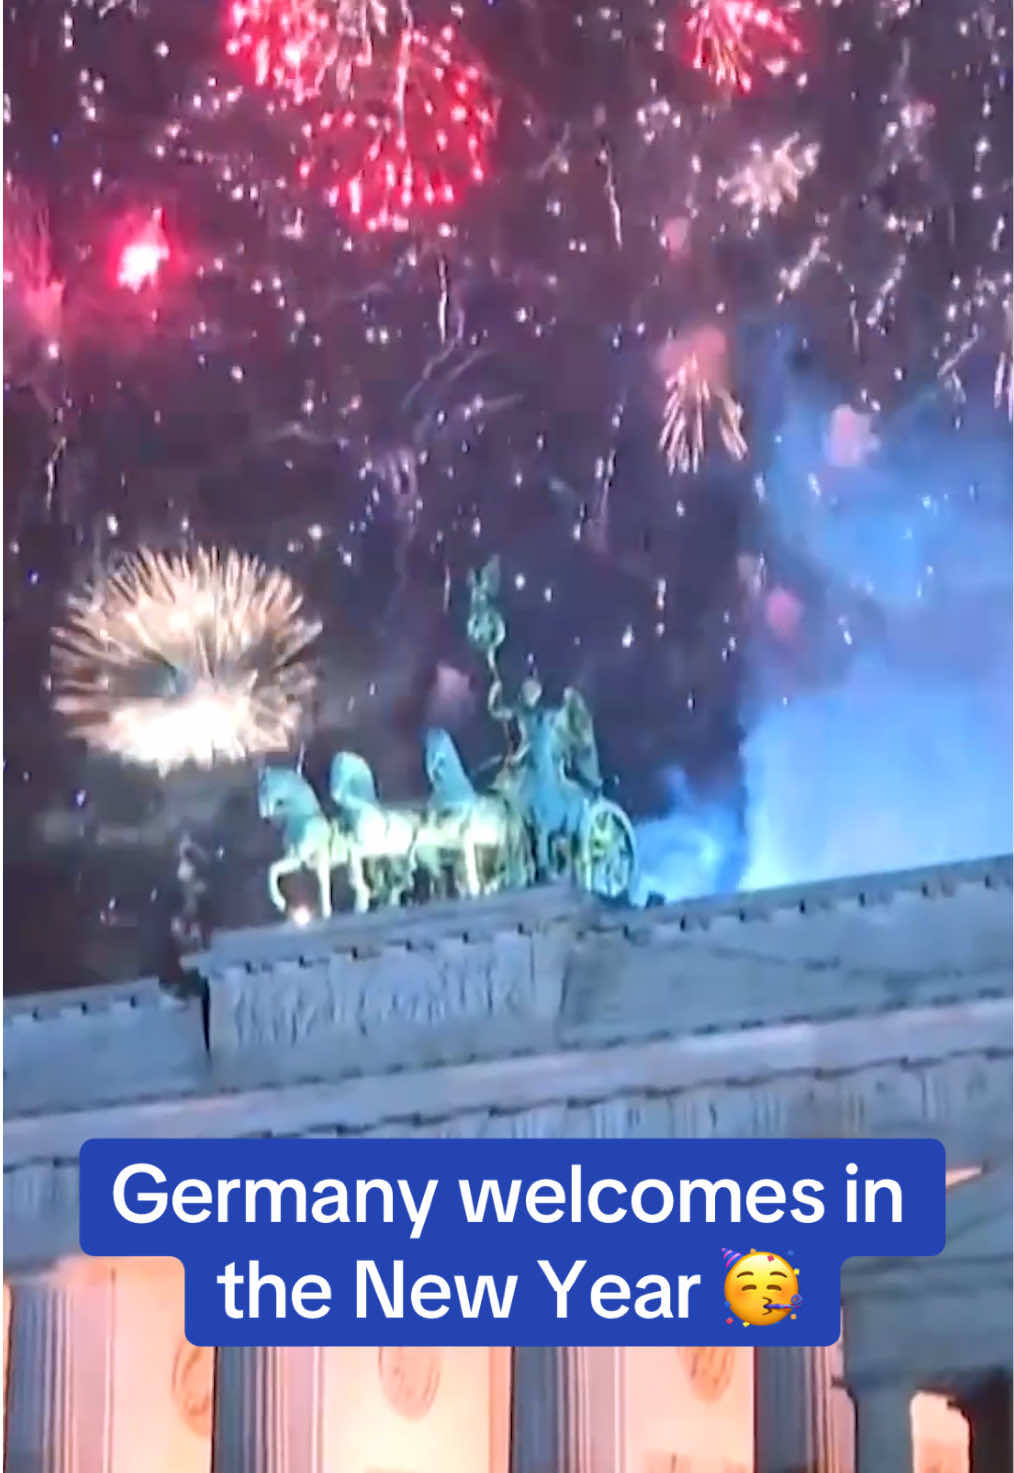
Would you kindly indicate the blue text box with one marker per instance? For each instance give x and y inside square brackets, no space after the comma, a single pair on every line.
[368,1242]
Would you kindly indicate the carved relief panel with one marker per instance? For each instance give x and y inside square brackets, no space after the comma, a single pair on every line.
[410,1378]
[688,1410]
[408,1409]
[193,1386]
[161,1385]
[709,1369]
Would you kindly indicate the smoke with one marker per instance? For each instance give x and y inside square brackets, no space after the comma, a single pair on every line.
[881,729]
[888,771]
[697,848]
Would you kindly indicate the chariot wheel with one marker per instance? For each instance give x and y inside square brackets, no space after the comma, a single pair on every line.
[607,855]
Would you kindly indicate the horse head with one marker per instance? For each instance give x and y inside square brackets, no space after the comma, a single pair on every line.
[352,780]
[266,790]
[445,771]
[283,794]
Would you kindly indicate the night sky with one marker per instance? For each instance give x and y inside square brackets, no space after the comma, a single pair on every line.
[234,319]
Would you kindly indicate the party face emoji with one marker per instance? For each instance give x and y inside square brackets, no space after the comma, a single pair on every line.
[761,1288]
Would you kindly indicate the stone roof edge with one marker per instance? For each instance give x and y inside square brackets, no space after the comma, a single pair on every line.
[592,1075]
[102,997]
[466,920]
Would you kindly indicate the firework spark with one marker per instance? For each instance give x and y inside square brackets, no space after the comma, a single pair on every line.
[143,256]
[691,398]
[185,658]
[730,38]
[694,370]
[1003,379]
[393,121]
[33,294]
[415,135]
[771,177]
[306,48]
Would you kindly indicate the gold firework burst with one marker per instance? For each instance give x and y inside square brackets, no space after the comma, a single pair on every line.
[177,658]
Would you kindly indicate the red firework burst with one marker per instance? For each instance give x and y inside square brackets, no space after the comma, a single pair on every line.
[415,136]
[730,38]
[397,122]
[304,48]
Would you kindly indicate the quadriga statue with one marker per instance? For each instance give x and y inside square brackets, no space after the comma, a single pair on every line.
[551,773]
[544,818]
[478,839]
[312,840]
[482,833]
[381,841]
[373,844]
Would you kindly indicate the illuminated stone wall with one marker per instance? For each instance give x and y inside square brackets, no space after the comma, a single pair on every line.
[406,1411]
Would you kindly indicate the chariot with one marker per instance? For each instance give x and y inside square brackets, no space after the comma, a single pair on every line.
[543,817]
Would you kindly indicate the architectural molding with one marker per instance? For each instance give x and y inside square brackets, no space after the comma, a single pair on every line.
[903,1311]
[880,1006]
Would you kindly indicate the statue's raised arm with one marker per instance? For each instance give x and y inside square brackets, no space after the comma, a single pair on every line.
[486,627]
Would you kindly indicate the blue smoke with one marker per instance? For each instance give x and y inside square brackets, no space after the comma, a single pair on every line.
[896,752]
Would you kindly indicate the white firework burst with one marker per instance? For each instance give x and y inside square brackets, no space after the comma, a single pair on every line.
[189,657]
[691,398]
[771,177]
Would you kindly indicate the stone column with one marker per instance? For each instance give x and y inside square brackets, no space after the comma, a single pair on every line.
[250,1412]
[883,1427]
[988,1410]
[549,1411]
[41,1434]
[794,1424]
[304,1380]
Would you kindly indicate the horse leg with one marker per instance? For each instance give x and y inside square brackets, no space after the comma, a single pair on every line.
[542,869]
[287,865]
[357,879]
[432,867]
[324,881]
[526,863]
[470,859]
[406,879]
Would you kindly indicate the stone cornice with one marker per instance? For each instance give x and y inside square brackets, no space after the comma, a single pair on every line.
[856,1008]
[902,1312]
[542,973]
[778,1087]
[906,1059]
[264,947]
[868,1008]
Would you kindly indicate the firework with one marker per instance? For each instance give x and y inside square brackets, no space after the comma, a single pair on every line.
[972,308]
[185,658]
[414,136]
[1003,378]
[143,256]
[690,400]
[771,177]
[393,121]
[730,38]
[306,48]
[850,440]
[33,293]
[694,369]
